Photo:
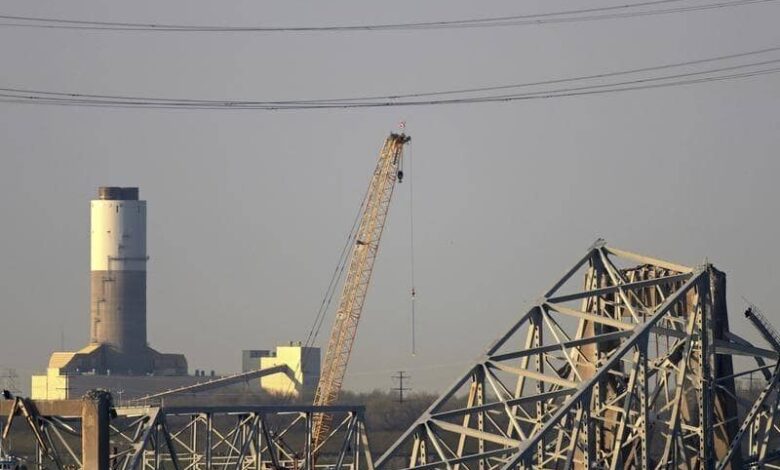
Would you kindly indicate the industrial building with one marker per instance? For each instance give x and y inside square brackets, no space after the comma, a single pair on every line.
[250,358]
[302,361]
[118,357]
[118,354]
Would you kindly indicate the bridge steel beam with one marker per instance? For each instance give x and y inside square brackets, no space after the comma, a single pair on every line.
[627,361]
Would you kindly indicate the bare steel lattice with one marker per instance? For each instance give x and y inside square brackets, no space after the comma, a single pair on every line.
[626,362]
[225,437]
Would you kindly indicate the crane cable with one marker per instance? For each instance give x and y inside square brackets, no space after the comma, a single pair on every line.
[411,247]
[401,175]
[336,276]
[330,291]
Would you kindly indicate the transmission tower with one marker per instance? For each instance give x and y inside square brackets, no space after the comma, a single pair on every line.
[400,377]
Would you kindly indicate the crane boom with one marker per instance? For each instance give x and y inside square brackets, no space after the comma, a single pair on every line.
[353,294]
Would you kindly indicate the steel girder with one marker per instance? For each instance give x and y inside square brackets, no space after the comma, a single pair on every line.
[208,438]
[634,368]
[238,437]
[52,435]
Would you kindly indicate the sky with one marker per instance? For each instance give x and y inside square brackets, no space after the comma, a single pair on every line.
[248,209]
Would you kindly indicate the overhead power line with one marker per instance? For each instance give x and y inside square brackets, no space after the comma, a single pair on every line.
[629,10]
[270,106]
[635,79]
[401,96]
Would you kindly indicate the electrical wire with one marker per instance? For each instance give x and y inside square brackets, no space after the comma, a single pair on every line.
[669,80]
[225,103]
[566,16]
[381,372]
[411,95]
[562,80]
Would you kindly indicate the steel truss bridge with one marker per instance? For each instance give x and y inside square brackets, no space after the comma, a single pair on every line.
[625,362]
[192,438]
[250,438]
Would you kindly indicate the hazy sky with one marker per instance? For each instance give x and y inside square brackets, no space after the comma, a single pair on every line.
[248,209]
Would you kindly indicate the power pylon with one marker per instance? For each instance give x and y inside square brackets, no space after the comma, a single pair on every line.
[400,377]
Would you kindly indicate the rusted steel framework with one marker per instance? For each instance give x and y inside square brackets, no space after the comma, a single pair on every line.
[634,368]
[198,438]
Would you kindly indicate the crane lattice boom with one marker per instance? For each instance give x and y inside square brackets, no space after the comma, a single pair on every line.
[353,293]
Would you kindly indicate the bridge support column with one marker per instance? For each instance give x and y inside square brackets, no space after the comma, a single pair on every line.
[95,417]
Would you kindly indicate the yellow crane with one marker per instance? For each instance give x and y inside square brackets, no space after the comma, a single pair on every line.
[353,294]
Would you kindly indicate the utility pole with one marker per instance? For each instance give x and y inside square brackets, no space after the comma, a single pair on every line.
[400,377]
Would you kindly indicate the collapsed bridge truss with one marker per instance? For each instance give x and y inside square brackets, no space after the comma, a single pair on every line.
[625,362]
[635,369]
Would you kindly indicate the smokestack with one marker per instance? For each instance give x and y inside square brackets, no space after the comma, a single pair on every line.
[118,273]
[117,326]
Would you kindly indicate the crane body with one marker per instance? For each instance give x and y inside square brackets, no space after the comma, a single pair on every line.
[361,265]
